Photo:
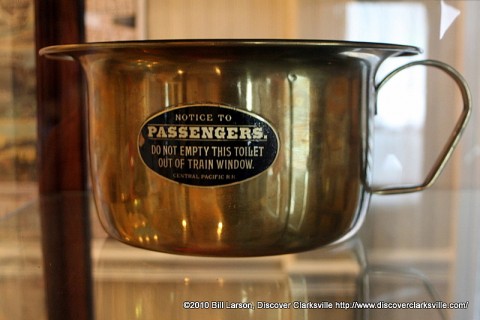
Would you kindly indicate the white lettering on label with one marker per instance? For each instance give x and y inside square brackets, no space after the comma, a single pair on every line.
[205,132]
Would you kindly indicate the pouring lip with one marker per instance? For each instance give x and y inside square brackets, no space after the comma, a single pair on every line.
[70,51]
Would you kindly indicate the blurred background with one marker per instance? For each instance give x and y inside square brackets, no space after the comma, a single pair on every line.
[435,231]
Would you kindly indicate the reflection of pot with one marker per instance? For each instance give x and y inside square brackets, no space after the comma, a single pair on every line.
[235,148]
[180,297]
[135,284]
[320,284]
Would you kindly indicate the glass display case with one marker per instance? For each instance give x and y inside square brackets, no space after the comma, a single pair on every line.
[349,281]
[416,256]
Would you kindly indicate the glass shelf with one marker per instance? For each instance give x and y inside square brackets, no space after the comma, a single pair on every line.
[132,283]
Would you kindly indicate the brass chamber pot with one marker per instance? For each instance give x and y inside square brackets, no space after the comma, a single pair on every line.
[236,147]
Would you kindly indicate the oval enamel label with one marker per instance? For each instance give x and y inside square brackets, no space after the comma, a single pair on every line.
[207,145]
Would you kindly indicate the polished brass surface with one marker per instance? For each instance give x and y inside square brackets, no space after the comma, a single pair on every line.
[319,96]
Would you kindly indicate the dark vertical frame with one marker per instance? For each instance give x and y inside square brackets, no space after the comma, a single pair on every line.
[62,164]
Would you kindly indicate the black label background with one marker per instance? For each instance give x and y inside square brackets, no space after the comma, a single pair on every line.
[164,154]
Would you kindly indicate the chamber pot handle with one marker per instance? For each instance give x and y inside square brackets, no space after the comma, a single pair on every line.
[453,139]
